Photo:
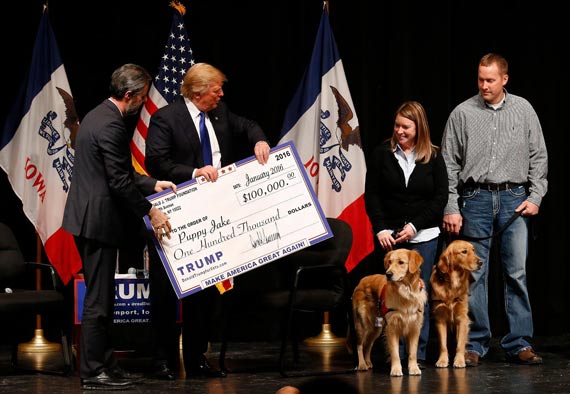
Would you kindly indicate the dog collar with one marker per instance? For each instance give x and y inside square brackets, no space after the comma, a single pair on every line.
[441,276]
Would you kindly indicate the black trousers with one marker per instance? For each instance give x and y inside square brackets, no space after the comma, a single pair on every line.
[99,261]
[200,314]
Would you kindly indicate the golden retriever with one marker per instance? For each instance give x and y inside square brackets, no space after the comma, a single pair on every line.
[449,308]
[397,300]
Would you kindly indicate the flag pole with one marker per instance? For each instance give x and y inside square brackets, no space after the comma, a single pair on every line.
[326,337]
[39,344]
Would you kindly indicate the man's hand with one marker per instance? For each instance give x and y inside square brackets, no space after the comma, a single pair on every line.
[160,223]
[208,172]
[452,223]
[163,185]
[527,208]
[261,151]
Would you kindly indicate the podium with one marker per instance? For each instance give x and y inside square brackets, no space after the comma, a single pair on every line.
[132,300]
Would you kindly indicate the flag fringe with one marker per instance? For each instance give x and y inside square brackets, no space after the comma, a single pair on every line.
[178,7]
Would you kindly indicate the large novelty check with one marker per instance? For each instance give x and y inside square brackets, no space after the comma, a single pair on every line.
[251,216]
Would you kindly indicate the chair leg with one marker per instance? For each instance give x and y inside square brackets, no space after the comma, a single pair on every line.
[222,356]
[352,328]
[227,314]
[285,340]
[67,354]
[14,355]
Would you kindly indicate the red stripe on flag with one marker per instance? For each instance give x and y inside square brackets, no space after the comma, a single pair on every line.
[363,244]
[62,253]
[142,128]
[150,107]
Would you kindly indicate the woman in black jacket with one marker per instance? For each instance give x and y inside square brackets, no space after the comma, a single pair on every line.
[406,192]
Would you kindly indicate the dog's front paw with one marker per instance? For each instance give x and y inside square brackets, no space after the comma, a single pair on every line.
[442,362]
[363,367]
[459,361]
[414,370]
[396,371]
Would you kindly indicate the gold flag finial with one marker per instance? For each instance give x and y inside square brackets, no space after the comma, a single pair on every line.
[178,7]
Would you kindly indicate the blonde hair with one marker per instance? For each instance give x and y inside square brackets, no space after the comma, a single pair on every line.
[497,59]
[416,113]
[199,77]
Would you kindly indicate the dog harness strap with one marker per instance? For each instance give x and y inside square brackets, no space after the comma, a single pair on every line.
[382,303]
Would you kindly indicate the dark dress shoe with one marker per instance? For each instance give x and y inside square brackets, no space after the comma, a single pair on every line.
[120,373]
[162,372]
[203,369]
[105,381]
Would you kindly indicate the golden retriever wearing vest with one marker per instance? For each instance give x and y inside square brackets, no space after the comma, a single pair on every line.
[392,304]
[449,298]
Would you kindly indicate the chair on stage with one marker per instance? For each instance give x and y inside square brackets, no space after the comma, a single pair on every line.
[21,302]
[311,280]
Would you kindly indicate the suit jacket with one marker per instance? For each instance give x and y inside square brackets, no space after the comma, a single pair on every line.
[390,203]
[107,196]
[173,149]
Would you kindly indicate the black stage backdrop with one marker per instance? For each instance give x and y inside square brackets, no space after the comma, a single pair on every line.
[392,51]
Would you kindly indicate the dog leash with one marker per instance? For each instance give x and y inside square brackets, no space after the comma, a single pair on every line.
[514,216]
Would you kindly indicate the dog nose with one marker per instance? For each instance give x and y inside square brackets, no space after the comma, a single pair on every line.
[389,274]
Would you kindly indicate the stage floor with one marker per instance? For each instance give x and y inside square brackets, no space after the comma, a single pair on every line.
[255,371]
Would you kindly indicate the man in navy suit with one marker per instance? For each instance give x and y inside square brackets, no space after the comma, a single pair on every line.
[174,150]
[105,203]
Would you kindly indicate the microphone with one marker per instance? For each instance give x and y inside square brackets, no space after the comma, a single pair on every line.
[137,272]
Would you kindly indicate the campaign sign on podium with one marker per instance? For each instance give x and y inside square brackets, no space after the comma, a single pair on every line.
[251,216]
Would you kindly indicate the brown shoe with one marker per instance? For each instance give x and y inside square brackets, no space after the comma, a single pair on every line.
[471,359]
[526,357]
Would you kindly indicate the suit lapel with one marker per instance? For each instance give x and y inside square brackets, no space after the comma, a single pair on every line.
[189,131]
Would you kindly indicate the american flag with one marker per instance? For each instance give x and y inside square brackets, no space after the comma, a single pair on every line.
[176,60]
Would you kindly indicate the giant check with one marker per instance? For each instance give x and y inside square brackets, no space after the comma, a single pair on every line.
[251,216]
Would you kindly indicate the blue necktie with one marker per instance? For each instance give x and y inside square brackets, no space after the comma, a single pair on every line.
[205,141]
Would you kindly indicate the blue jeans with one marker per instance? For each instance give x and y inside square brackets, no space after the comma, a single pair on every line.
[483,213]
[428,251]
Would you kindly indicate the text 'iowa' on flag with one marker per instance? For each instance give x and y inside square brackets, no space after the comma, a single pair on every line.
[322,123]
[36,149]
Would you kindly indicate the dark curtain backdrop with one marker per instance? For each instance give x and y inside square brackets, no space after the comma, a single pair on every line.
[392,51]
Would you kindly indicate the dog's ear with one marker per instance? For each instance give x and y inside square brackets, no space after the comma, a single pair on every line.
[416,260]
[387,259]
[444,262]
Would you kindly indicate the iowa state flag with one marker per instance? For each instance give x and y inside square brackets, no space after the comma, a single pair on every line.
[36,149]
[322,123]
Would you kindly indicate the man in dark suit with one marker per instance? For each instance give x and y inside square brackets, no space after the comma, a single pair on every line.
[175,150]
[106,202]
